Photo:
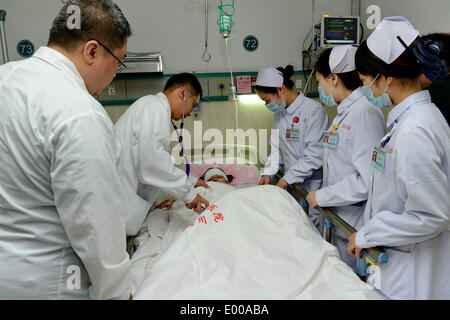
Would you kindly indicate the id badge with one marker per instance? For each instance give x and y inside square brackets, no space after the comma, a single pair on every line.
[292,134]
[379,158]
[330,140]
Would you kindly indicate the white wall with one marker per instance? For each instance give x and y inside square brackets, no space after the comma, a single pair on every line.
[176,28]
[426,15]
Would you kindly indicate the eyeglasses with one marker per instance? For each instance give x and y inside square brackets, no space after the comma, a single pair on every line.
[121,65]
[195,101]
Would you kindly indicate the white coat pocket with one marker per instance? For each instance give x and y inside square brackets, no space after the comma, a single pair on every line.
[396,276]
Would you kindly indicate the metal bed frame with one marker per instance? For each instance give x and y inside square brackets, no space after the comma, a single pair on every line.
[370,256]
[3,36]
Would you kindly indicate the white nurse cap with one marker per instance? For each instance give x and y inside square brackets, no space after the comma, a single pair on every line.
[342,58]
[270,77]
[384,41]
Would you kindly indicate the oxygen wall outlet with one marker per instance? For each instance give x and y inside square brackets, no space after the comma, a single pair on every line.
[111,90]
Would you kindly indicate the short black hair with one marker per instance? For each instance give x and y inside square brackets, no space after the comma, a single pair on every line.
[406,66]
[350,79]
[183,79]
[287,72]
[444,44]
[101,20]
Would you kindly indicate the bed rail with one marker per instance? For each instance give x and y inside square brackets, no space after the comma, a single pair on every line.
[374,256]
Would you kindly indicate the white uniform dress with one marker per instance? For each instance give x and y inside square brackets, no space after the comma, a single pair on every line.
[144,131]
[62,203]
[347,166]
[299,146]
[408,210]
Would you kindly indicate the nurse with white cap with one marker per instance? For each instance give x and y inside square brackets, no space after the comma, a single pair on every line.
[301,123]
[348,143]
[408,209]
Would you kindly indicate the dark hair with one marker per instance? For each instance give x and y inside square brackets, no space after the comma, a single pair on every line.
[406,66]
[287,72]
[101,20]
[350,79]
[183,79]
[444,44]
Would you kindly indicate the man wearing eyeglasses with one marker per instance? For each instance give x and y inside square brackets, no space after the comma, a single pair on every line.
[145,131]
[62,201]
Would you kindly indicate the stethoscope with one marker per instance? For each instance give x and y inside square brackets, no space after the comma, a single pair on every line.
[180,141]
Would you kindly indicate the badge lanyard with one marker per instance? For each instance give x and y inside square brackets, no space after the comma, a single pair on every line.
[180,141]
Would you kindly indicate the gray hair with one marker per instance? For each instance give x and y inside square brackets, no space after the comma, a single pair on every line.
[100,20]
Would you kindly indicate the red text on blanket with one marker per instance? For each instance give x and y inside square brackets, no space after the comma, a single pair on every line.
[218,216]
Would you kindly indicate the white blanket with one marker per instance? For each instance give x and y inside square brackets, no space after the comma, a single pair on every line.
[254,243]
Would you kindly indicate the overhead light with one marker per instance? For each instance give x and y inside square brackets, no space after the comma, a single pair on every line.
[250,99]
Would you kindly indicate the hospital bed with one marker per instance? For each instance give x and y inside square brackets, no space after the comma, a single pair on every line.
[370,256]
[259,246]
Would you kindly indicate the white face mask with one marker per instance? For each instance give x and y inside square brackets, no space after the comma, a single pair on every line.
[275,107]
[383,101]
[327,99]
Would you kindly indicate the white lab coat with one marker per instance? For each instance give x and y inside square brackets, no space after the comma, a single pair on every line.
[62,208]
[303,158]
[408,210]
[347,168]
[144,131]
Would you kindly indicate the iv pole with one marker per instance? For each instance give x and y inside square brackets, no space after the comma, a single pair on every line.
[3,36]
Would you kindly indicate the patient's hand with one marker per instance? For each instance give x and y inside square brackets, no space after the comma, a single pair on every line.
[201,183]
[264,180]
[199,204]
[166,204]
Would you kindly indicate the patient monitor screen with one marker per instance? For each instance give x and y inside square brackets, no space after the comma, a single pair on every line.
[340,30]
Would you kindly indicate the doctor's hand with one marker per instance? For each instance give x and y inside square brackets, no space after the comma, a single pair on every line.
[311,198]
[264,180]
[166,204]
[352,248]
[201,183]
[282,184]
[199,204]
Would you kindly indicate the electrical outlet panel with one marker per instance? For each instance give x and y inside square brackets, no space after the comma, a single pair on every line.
[219,87]
[116,90]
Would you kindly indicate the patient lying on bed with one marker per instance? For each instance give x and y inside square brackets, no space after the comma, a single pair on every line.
[255,243]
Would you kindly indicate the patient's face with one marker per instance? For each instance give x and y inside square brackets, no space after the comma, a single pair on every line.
[220,179]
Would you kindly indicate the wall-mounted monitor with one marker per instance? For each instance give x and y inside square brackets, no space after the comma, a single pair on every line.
[339,31]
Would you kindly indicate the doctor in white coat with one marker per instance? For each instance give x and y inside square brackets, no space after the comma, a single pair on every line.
[62,203]
[145,131]
[301,123]
[408,209]
[348,143]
